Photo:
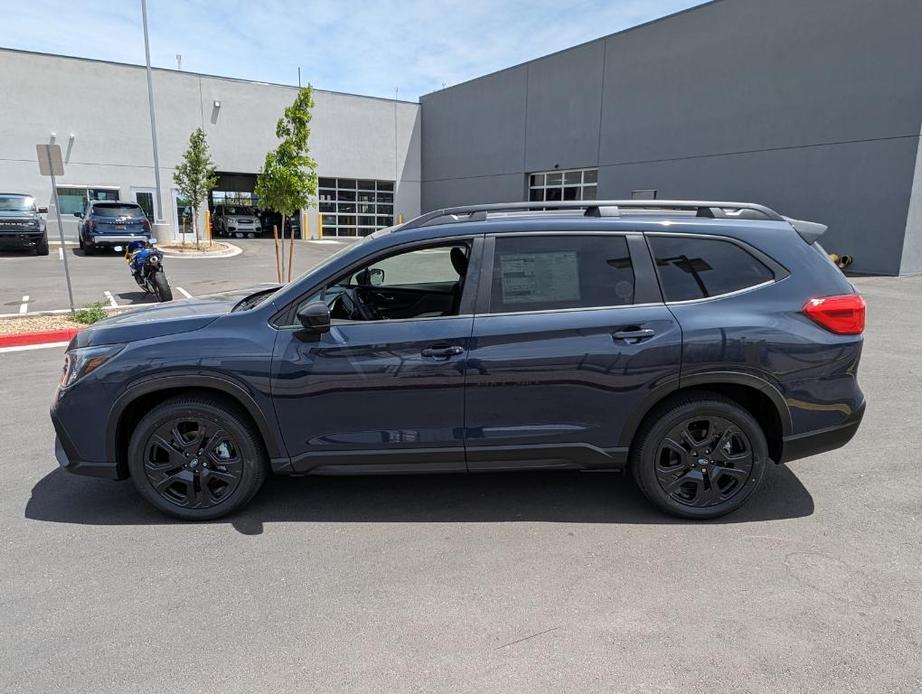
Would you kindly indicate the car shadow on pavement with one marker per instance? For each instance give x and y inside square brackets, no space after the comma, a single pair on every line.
[567,497]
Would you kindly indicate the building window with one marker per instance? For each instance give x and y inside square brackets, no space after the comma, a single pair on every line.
[73,198]
[350,207]
[572,184]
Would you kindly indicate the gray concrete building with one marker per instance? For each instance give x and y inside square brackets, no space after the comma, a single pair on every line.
[367,149]
[813,107]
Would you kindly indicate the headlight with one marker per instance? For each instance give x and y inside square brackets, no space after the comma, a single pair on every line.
[80,362]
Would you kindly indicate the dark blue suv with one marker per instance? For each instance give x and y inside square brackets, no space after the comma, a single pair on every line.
[693,343]
[110,223]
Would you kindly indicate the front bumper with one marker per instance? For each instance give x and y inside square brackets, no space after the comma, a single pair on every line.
[20,239]
[67,457]
[822,440]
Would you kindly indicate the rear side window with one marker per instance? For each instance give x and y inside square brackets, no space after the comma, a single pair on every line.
[694,268]
[117,211]
[537,273]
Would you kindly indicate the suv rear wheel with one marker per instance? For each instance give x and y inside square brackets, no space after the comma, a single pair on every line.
[196,458]
[699,456]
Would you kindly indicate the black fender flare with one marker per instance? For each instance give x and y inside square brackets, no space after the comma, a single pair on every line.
[148,385]
[703,379]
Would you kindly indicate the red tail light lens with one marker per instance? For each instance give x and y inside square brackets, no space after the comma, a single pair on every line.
[842,314]
[146,225]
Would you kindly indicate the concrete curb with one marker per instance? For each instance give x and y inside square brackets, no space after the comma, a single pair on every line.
[37,338]
[231,251]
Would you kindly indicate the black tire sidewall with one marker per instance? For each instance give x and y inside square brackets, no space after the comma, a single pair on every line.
[164,293]
[644,460]
[254,462]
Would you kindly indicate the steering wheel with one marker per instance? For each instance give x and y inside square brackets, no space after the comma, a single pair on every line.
[353,305]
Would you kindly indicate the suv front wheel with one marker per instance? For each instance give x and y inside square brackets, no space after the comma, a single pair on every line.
[699,456]
[196,458]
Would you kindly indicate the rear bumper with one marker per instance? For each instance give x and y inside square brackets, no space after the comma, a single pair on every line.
[112,239]
[823,440]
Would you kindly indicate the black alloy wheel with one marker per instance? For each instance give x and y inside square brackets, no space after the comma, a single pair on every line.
[704,461]
[699,455]
[192,463]
[197,458]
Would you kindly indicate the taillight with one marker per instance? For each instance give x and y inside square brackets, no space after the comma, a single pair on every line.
[146,225]
[842,314]
[92,225]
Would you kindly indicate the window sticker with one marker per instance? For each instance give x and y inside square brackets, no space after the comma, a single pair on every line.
[540,277]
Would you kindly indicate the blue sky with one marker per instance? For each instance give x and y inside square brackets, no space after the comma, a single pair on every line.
[355,46]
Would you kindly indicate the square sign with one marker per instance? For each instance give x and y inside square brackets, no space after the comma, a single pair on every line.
[50,162]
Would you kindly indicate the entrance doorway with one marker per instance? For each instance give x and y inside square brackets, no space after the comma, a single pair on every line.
[145,198]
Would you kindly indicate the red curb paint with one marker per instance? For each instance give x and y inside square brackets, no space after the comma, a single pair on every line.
[20,339]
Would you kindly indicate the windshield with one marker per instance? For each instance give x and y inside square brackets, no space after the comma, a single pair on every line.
[17,203]
[117,211]
[239,211]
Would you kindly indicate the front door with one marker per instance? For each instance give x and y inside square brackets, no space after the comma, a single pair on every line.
[567,343]
[385,386]
[145,198]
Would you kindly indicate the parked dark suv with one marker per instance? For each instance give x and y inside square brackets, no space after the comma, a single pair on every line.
[110,223]
[21,224]
[694,343]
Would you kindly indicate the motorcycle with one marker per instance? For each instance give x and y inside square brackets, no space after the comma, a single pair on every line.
[146,264]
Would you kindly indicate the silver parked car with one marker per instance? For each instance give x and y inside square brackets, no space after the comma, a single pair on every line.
[236,220]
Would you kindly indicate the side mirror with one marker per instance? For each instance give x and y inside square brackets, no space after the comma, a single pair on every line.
[43,210]
[315,317]
[376,277]
[152,240]
[78,215]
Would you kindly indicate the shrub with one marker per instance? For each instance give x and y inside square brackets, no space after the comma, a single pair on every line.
[91,314]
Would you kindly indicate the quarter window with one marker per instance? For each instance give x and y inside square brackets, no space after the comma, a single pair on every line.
[536,273]
[694,268]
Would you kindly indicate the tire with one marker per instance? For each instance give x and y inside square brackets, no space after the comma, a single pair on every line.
[162,287]
[42,247]
[80,241]
[699,456]
[197,458]
[89,249]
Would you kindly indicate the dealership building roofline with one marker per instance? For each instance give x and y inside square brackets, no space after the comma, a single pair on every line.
[199,74]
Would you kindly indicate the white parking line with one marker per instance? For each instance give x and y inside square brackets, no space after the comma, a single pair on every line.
[184,292]
[24,307]
[60,252]
[111,299]
[26,348]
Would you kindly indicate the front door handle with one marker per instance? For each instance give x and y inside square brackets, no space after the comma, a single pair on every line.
[633,335]
[443,352]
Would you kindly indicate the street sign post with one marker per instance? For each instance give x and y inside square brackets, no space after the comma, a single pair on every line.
[50,163]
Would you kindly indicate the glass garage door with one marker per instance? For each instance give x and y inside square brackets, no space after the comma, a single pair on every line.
[355,207]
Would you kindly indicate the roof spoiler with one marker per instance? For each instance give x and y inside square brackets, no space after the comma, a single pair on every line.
[809,231]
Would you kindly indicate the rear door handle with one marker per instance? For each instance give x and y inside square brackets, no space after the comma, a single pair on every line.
[633,335]
[443,352]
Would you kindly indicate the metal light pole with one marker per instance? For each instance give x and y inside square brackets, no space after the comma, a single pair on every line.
[158,202]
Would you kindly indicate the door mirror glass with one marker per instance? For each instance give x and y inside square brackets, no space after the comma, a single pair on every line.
[376,277]
[43,210]
[78,215]
[315,317]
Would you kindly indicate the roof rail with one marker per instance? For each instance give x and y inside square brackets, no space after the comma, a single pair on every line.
[593,208]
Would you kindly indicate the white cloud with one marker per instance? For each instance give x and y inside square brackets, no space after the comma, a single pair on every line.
[358,46]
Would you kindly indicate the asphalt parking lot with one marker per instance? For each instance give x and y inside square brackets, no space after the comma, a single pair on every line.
[41,278]
[498,583]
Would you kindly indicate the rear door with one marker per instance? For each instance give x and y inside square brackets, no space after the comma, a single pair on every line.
[570,336]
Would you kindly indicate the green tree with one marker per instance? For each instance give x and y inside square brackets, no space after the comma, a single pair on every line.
[195,176]
[287,180]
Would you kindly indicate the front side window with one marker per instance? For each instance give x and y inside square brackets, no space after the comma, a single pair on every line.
[695,268]
[539,273]
[418,283]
